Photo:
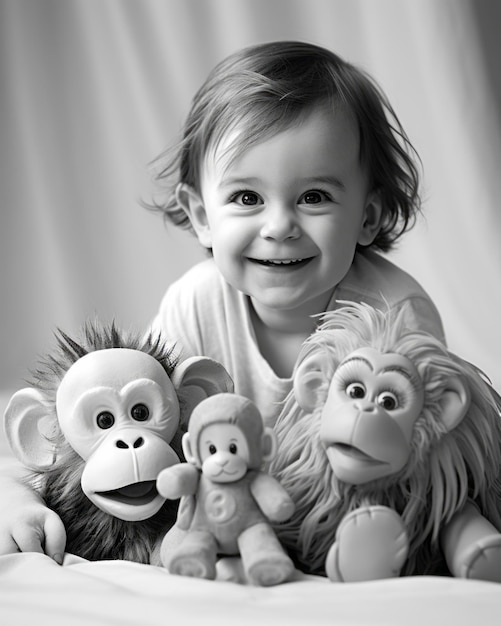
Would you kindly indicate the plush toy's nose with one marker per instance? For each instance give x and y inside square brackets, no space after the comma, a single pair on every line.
[120,443]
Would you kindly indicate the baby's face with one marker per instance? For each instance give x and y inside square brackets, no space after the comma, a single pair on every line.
[284,218]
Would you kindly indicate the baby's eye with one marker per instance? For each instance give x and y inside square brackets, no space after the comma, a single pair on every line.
[246,198]
[314,196]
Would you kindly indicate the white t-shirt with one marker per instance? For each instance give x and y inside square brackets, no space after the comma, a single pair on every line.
[208,317]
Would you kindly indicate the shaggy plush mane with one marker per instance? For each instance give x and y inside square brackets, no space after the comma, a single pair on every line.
[95,336]
[444,468]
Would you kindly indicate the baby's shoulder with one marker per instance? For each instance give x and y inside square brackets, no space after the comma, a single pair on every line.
[375,276]
[376,281]
[191,306]
[203,278]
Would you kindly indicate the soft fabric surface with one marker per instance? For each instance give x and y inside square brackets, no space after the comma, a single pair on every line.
[35,590]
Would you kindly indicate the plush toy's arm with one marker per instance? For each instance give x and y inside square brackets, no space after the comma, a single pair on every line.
[178,480]
[273,500]
[472,545]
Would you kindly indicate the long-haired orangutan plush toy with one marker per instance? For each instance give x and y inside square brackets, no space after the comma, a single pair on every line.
[390,447]
[101,419]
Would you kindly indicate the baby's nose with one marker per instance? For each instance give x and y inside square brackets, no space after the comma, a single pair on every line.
[280,223]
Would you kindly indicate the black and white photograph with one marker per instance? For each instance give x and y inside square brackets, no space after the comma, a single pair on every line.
[250,337]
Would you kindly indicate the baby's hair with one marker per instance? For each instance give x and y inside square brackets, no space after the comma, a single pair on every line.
[263,90]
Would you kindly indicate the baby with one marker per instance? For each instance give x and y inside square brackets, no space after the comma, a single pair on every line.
[295,173]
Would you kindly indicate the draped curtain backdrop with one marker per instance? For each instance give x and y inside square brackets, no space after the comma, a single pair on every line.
[92,90]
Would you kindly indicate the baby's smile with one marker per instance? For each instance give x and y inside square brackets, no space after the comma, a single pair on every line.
[282,263]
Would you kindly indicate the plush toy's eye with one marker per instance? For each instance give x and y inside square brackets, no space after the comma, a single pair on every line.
[212,449]
[355,390]
[105,420]
[233,448]
[140,412]
[387,400]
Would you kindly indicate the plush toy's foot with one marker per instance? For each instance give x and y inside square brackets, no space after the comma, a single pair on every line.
[193,566]
[371,543]
[483,560]
[229,569]
[271,570]
[264,560]
[195,557]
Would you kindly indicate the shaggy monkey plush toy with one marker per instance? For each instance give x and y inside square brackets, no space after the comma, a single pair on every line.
[390,447]
[101,419]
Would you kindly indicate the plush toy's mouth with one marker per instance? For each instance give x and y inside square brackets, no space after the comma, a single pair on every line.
[135,494]
[354,453]
[223,471]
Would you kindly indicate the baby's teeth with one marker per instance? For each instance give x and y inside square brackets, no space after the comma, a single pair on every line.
[283,262]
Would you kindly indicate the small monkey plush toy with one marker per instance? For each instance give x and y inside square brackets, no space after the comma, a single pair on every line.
[226,500]
[103,416]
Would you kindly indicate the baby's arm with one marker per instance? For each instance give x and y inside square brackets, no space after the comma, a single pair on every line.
[26,524]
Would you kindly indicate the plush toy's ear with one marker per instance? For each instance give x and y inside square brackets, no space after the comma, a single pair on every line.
[454,403]
[25,417]
[307,380]
[187,451]
[197,378]
[270,444]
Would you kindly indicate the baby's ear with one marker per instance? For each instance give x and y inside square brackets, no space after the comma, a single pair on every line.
[373,213]
[191,202]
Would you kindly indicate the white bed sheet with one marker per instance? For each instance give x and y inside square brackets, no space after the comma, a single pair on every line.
[35,590]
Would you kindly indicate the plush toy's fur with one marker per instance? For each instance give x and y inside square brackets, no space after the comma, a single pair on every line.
[92,533]
[50,371]
[444,468]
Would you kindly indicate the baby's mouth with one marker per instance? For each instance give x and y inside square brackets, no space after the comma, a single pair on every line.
[282,263]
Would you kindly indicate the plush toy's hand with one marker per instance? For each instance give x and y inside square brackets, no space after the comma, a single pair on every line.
[178,480]
[371,543]
[27,525]
[272,498]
